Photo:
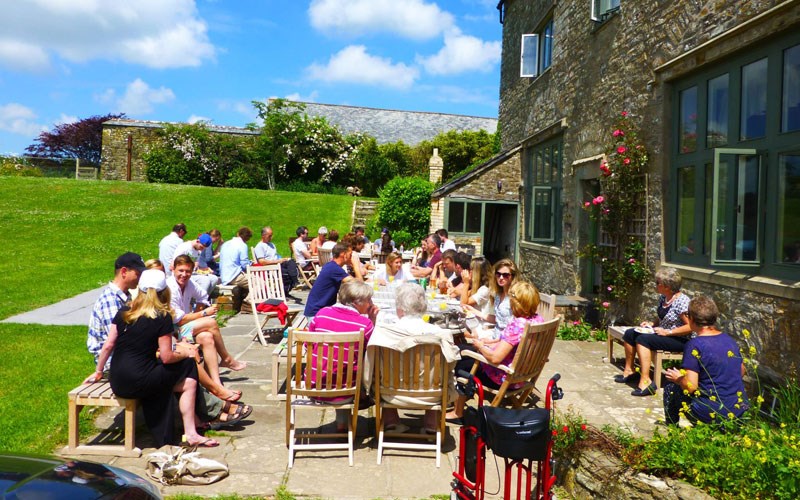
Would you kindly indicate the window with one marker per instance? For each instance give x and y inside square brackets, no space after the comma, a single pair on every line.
[464,217]
[537,51]
[543,192]
[734,197]
[602,9]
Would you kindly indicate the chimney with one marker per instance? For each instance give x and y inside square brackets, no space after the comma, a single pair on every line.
[436,165]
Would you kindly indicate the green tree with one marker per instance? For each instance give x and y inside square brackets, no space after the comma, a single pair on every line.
[460,151]
[371,168]
[405,208]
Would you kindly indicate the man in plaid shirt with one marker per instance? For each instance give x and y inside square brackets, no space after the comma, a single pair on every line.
[127,269]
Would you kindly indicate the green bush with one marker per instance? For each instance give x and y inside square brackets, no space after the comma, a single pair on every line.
[405,205]
[18,167]
[578,330]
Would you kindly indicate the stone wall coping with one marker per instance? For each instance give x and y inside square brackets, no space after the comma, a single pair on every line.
[155,124]
[756,284]
[538,247]
[546,133]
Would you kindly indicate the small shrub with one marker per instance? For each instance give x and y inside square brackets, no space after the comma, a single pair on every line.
[406,206]
[18,167]
[580,330]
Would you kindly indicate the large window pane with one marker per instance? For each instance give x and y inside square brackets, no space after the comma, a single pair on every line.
[542,214]
[789,209]
[547,45]
[717,129]
[529,60]
[455,217]
[688,120]
[473,218]
[686,204]
[754,100]
[790,104]
[736,206]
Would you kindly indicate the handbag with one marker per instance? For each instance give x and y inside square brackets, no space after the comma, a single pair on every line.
[176,465]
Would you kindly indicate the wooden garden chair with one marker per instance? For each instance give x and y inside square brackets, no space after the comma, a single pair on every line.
[547,306]
[266,283]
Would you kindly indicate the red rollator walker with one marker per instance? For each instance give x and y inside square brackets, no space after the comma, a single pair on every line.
[519,436]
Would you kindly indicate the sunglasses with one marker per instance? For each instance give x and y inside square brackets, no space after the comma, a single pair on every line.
[502,275]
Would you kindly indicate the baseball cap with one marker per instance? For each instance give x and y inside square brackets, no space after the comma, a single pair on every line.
[205,239]
[131,261]
[384,230]
[153,278]
[322,230]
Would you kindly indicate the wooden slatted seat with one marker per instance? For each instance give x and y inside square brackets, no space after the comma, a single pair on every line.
[615,334]
[100,394]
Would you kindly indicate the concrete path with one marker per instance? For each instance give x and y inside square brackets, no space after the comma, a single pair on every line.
[257,456]
[72,311]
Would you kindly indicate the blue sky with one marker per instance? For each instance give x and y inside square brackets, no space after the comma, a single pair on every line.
[189,60]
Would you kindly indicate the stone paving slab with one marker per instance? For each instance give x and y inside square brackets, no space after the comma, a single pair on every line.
[73,311]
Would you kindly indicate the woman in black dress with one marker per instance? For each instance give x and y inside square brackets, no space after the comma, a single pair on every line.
[135,336]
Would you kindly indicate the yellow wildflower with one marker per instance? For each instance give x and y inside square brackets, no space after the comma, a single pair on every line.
[760,399]
[783,425]
[737,406]
[688,385]
[752,350]
[731,415]
[697,392]
[683,372]
[739,393]
[648,411]
[747,442]
[713,416]
[695,353]
[686,391]
[712,398]
[730,354]
[746,333]
[637,369]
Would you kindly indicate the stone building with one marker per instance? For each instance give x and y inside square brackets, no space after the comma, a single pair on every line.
[714,87]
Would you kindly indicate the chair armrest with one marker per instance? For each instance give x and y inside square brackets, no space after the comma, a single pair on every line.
[479,357]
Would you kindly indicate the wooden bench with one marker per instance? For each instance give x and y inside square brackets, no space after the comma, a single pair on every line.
[615,334]
[100,394]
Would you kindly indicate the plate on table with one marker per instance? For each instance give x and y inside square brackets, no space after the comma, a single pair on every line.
[453,302]
[644,329]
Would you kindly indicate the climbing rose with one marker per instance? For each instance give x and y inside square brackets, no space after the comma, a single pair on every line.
[631,260]
[624,113]
[587,204]
[621,149]
[626,161]
[598,200]
[606,304]
[618,133]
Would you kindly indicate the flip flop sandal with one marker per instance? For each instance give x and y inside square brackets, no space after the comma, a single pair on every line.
[206,443]
[234,397]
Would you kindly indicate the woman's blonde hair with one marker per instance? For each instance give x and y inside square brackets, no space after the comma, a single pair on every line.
[150,304]
[524,298]
[393,256]
[153,264]
[481,270]
[494,288]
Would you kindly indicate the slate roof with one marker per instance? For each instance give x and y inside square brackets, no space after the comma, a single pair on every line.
[391,125]
[474,173]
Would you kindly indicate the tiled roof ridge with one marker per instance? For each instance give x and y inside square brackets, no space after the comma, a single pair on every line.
[392,110]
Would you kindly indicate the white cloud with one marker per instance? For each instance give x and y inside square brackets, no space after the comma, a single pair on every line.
[196,118]
[152,33]
[416,19]
[138,98]
[19,119]
[353,65]
[64,119]
[462,53]
[312,97]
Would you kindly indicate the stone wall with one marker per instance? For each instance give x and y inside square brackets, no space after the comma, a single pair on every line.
[115,151]
[600,69]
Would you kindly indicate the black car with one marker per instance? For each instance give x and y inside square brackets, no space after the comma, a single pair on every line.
[33,477]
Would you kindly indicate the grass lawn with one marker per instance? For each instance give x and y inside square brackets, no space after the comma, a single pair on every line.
[61,236]
[61,239]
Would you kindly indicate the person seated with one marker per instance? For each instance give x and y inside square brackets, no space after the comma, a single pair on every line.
[233,262]
[708,387]
[301,254]
[384,244]
[455,287]
[360,233]
[330,279]
[198,325]
[432,243]
[353,311]
[447,243]
[671,332]
[505,270]
[195,249]
[333,238]
[266,254]
[392,271]
[168,244]
[409,329]
[445,272]
[477,295]
[524,300]
[207,263]
[137,333]
[420,254]
[316,243]
[355,267]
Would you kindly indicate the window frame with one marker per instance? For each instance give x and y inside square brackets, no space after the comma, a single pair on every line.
[543,50]
[596,8]
[769,148]
[554,184]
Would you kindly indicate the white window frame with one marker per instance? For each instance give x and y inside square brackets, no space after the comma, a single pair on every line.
[535,57]
[718,152]
[599,10]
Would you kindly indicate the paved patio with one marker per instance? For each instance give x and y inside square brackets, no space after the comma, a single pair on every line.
[257,455]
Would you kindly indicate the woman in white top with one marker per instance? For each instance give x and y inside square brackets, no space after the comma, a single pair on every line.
[505,270]
[392,272]
[478,277]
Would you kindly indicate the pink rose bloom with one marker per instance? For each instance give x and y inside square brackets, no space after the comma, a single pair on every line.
[605,210]
[631,260]
[606,304]
[586,204]
[610,288]
[626,161]
[624,113]
[621,149]
[598,200]
[618,133]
